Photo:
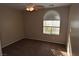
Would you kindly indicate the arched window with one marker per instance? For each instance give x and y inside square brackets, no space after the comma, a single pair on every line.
[51,23]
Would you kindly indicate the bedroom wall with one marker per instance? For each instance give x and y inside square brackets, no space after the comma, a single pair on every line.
[74,34]
[12,25]
[33,25]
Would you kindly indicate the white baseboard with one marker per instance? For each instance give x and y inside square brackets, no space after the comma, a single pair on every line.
[47,41]
[12,42]
[29,38]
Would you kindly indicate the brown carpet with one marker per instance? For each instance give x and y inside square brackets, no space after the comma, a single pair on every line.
[28,47]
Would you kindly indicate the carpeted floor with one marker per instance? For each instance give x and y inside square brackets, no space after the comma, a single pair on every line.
[28,47]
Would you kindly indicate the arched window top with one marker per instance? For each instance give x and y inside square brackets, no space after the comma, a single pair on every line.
[52,15]
[51,23]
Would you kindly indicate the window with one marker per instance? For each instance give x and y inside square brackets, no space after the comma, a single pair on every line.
[51,23]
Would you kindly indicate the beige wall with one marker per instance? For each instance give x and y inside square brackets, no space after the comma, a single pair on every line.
[33,25]
[74,23]
[12,25]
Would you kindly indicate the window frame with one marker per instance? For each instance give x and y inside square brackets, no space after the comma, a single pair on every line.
[52,15]
[51,28]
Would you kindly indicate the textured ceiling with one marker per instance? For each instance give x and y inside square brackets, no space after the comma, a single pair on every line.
[21,6]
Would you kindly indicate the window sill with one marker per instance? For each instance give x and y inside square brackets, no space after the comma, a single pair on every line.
[51,34]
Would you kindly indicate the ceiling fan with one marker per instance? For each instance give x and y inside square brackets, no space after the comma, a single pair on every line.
[33,7]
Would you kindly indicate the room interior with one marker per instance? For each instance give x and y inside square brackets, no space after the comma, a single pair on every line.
[39,29]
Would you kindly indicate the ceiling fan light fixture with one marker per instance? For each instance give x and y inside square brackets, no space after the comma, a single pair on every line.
[30,8]
[33,7]
[27,9]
